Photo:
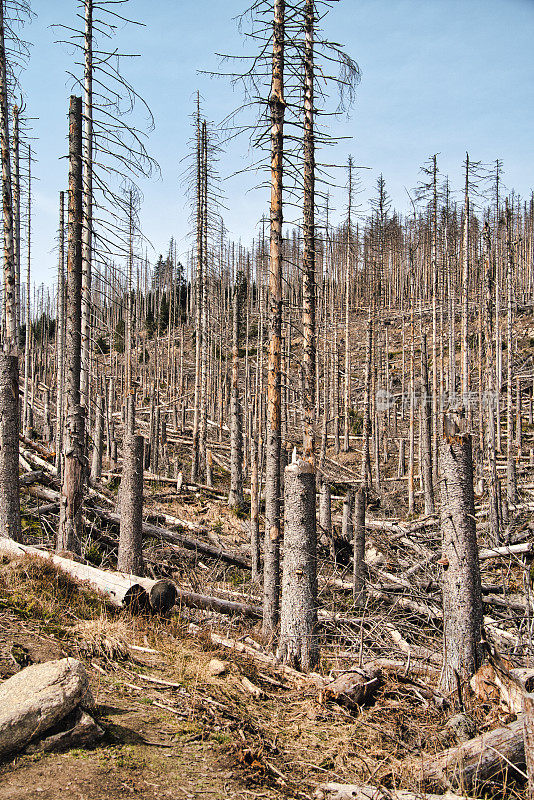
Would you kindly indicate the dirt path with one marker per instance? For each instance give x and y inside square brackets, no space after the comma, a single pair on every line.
[148,751]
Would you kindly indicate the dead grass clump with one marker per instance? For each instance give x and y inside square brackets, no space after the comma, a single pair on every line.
[102,638]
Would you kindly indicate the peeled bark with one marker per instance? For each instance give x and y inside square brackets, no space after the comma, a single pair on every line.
[462,596]
[298,629]
[130,557]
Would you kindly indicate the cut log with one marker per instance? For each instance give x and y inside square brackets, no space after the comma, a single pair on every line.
[121,589]
[35,699]
[472,763]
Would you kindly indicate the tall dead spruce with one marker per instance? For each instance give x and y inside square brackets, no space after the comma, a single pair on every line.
[271,564]
[9,362]
[298,629]
[74,460]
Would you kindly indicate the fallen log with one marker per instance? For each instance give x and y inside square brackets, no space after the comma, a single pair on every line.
[194,600]
[35,699]
[177,538]
[472,763]
[31,477]
[172,537]
[508,550]
[120,589]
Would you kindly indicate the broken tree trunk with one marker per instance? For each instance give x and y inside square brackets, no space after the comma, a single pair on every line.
[298,633]
[130,557]
[462,595]
[74,462]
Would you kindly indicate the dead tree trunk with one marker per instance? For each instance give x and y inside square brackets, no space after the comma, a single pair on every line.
[98,440]
[325,511]
[70,520]
[130,556]
[359,548]
[271,558]
[426,464]
[299,608]
[255,512]
[366,433]
[462,596]
[60,333]
[235,499]
[511,494]
[87,210]
[494,514]
[298,634]
[9,366]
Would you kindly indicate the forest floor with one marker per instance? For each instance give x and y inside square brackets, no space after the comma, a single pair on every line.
[202,734]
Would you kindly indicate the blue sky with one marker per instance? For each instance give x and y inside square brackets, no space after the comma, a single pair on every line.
[441,76]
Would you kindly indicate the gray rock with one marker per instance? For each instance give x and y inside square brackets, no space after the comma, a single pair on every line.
[35,699]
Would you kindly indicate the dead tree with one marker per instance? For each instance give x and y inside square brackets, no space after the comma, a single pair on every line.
[74,461]
[60,336]
[271,555]
[359,548]
[299,619]
[426,465]
[9,362]
[298,631]
[235,499]
[130,556]
[462,595]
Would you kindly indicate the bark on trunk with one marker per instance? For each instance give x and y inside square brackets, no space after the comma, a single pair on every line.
[462,597]
[235,498]
[298,633]
[359,548]
[70,520]
[130,556]
[9,447]
[271,559]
